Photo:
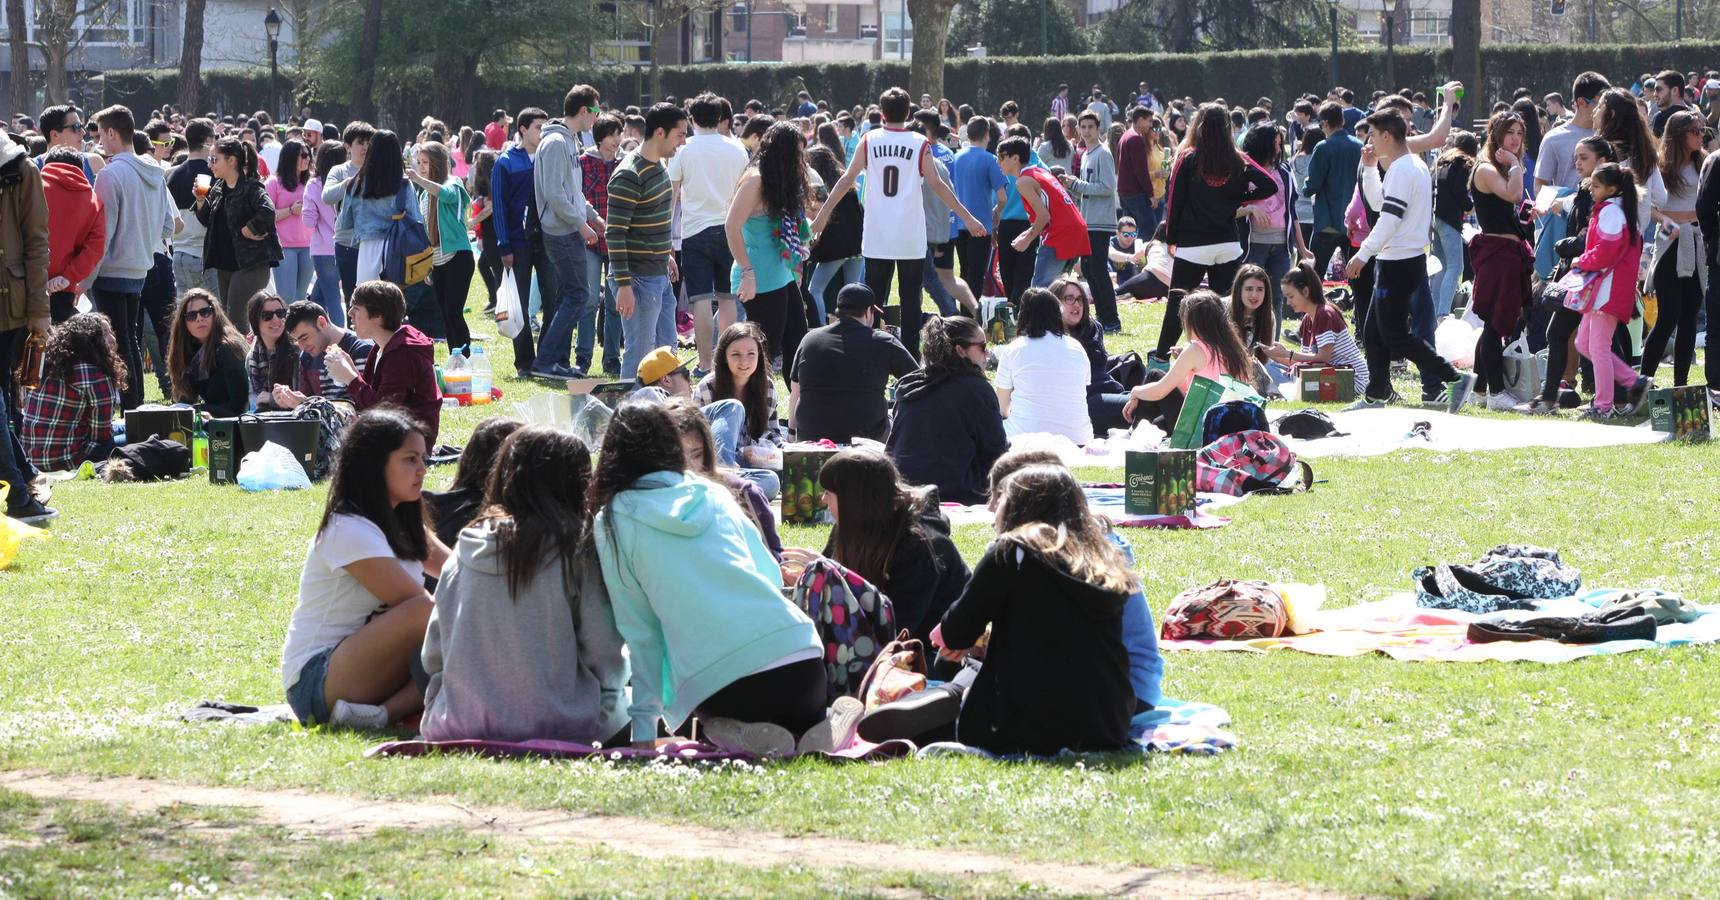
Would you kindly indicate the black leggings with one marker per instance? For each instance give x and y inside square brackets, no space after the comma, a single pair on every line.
[1490,360]
[1014,267]
[1560,329]
[1186,276]
[452,281]
[792,696]
[1680,299]
[1162,412]
[974,253]
[490,265]
[912,274]
[782,315]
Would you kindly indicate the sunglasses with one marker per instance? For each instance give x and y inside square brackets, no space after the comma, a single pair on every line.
[201,312]
[979,344]
[271,314]
[1127,233]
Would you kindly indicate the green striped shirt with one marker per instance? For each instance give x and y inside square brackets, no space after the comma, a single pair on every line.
[639,213]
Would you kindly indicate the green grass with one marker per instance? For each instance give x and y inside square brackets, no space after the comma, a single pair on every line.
[1595,777]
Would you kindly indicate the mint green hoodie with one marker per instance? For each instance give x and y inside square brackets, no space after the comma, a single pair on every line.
[697,595]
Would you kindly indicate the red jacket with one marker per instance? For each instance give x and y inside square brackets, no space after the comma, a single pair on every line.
[77,231]
[403,374]
[1502,289]
[1066,233]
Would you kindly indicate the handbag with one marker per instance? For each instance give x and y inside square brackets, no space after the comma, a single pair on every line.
[1582,290]
[407,257]
[899,670]
[1128,369]
[1525,372]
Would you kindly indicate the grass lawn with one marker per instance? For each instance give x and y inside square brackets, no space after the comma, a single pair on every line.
[1595,777]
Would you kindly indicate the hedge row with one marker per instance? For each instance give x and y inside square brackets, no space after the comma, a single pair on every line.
[1240,77]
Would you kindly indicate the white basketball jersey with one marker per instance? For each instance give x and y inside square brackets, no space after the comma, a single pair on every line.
[895,212]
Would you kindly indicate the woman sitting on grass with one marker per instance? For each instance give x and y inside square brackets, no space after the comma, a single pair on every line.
[743,373]
[1213,349]
[273,359]
[455,508]
[1105,395]
[1042,376]
[522,641]
[206,357]
[1326,340]
[698,598]
[946,429]
[699,448]
[354,640]
[68,420]
[1252,313]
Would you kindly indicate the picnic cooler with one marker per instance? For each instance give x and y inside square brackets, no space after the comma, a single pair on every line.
[1203,394]
[802,498]
[171,423]
[1687,413]
[1327,384]
[230,439]
[1158,482]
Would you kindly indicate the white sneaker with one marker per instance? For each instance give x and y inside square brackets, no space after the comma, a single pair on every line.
[837,729]
[1502,403]
[361,716]
[760,739]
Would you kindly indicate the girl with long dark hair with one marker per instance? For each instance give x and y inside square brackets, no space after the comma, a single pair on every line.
[373,197]
[1451,206]
[287,187]
[1212,185]
[241,244]
[1053,146]
[1042,375]
[946,429]
[742,372]
[273,359]
[522,643]
[1214,348]
[483,207]
[768,235]
[1563,362]
[1278,244]
[1324,337]
[206,357]
[68,418]
[353,644]
[837,253]
[1680,269]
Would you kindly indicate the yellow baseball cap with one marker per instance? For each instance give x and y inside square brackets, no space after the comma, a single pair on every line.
[658,364]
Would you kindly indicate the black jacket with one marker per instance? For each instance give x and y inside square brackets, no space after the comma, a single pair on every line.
[926,574]
[246,204]
[842,370]
[947,431]
[1056,673]
[1092,339]
[1198,213]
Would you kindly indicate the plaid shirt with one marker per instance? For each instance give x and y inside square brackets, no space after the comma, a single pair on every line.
[594,172]
[64,421]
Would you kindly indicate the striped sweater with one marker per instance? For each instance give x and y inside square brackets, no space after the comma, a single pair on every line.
[638,230]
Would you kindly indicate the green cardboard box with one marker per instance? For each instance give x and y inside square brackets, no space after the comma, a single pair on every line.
[1687,413]
[802,498]
[1158,482]
[1203,394]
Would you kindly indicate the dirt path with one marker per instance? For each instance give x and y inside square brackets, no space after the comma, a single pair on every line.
[336,817]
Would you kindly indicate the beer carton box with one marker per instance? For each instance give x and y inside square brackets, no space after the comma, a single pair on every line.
[1159,482]
[1686,413]
[802,498]
[1326,384]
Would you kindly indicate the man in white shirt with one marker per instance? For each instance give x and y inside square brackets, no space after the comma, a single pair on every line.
[704,174]
[1399,241]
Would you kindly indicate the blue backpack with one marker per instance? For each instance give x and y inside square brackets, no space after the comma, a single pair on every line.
[1231,417]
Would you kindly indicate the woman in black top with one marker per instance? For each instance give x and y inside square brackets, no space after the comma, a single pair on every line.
[1451,205]
[241,245]
[455,508]
[1501,256]
[1210,186]
[206,357]
[946,429]
[1106,396]
[837,252]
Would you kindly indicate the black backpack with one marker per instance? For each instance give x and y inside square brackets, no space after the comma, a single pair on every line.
[1231,417]
[1307,425]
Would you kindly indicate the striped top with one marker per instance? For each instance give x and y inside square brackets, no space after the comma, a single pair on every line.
[638,231]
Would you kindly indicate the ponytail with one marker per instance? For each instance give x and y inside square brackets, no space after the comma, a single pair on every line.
[250,162]
[1306,280]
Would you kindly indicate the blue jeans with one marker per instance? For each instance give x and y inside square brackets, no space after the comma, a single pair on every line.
[767,481]
[567,303]
[1448,247]
[325,290]
[1046,266]
[652,324]
[935,286]
[346,262]
[1140,208]
[596,283]
[852,270]
[188,273]
[293,273]
[727,418]
[1275,259]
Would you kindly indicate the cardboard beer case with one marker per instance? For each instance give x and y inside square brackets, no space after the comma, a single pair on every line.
[1687,413]
[802,498]
[1159,482]
[1326,384]
[230,439]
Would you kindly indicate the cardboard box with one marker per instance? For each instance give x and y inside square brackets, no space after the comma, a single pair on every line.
[1000,322]
[802,498]
[170,423]
[1326,384]
[226,448]
[1687,413]
[1159,482]
[612,393]
[231,439]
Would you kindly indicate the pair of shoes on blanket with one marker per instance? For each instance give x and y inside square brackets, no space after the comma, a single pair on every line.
[768,740]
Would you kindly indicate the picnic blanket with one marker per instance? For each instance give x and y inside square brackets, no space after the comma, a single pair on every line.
[1401,630]
[1107,500]
[1174,726]
[1373,432]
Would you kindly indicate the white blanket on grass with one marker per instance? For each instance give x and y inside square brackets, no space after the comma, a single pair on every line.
[1373,432]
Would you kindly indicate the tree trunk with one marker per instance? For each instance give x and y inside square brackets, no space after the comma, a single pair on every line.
[19,37]
[1466,51]
[369,40]
[1180,28]
[54,56]
[931,32]
[189,97]
[454,77]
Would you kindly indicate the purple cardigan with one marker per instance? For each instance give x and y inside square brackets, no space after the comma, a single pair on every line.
[319,219]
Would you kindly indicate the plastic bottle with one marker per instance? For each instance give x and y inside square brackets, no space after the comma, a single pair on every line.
[482,377]
[457,378]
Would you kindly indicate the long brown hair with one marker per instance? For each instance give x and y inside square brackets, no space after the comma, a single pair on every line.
[1498,127]
[1673,154]
[1206,320]
[535,501]
[1042,509]
[755,395]
[1618,119]
[188,361]
[1214,150]
[284,356]
[84,338]
[1256,323]
[874,509]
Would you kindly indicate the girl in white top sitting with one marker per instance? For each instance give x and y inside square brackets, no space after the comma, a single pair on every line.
[1042,376]
[353,643]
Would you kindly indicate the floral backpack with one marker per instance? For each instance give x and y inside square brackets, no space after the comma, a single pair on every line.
[1226,610]
[854,621]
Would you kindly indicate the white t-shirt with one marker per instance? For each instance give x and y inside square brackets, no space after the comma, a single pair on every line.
[1047,377]
[708,167]
[332,604]
[271,154]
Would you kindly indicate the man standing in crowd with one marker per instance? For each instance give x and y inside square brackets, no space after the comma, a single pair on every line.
[1056,223]
[516,222]
[496,133]
[140,216]
[1352,113]
[1060,102]
[1096,189]
[1135,172]
[1668,98]
[24,284]
[63,127]
[357,140]
[640,257]
[979,185]
[1331,181]
[704,174]
[188,270]
[569,224]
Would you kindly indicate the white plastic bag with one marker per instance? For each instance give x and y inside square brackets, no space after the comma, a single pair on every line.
[1455,340]
[510,312]
[272,467]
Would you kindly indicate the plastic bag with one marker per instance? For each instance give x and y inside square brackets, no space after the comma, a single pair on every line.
[272,467]
[1455,340]
[14,533]
[510,312]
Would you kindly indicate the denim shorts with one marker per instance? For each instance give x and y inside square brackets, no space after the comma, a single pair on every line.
[705,262]
[306,697]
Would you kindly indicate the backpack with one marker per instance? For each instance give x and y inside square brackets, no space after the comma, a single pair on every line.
[854,621]
[1307,425]
[406,251]
[1231,417]
[332,419]
[1128,369]
[1244,463]
[1226,609]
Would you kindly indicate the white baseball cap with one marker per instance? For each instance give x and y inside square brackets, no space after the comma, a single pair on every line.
[312,125]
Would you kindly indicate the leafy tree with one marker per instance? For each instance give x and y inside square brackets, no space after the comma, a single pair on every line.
[1011,28]
[1192,26]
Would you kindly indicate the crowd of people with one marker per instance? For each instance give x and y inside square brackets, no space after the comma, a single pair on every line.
[648,584]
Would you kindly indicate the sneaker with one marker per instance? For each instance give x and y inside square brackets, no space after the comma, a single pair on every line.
[523,374]
[1633,398]
[612,366]
[760,739]
[1592,414]
[914,715]
[1365,402]
[1538,407]
[1501,402]
[555,372]
[1459,391]
[837,729]
[1114,329]
[360,716]
[32,512]
[699,375]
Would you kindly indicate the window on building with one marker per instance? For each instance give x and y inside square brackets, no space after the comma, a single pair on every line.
[740,16]
[830,17]
[1429,27]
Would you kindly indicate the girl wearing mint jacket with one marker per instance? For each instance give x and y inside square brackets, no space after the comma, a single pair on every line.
[698,598]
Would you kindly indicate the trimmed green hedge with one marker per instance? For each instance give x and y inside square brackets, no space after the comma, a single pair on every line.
[1240,77]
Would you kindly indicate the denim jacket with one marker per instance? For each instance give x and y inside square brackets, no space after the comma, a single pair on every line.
[370,217]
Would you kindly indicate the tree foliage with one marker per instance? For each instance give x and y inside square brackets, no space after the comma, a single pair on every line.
[1011,28]
[1192,26]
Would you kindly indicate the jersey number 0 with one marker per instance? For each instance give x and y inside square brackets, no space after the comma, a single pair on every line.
[892,181]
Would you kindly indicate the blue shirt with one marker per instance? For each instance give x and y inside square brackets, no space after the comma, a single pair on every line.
[1352,115]
[1013,208]
[977,177]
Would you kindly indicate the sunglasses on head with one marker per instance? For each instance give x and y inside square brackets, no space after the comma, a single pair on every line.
[201,312]
[270,314]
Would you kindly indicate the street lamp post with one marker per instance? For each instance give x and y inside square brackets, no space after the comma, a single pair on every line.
[1332,6]
[272,25]
[1388,10]
[749,29]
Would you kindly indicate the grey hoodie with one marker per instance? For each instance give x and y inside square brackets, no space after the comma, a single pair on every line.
[556,181]
[1096,185]
[540,665]
[140,215]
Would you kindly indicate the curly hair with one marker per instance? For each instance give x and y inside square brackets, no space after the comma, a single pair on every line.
[941,343]
[781,163]
[84,338]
